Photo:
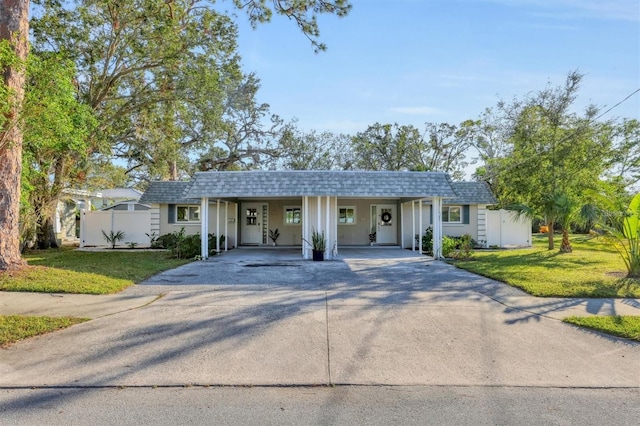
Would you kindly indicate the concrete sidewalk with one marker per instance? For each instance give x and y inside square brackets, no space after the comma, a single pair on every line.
[97,306]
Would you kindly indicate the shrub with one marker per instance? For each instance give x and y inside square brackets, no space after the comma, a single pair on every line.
[448,246]
[184,246]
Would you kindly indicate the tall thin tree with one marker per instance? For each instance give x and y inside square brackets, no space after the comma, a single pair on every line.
[14,28]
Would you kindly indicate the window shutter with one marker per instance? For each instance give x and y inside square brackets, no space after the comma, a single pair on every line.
[430,214]
[172,213]
[465,214]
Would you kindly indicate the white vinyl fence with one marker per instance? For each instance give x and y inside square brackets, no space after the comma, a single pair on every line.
[506,229]
[134,224]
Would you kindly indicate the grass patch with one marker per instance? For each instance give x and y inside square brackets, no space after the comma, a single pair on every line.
[592,270]
[14,328]
[70,271]
[621,326]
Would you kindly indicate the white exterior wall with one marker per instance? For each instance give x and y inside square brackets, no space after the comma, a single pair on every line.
[482,225]
[505,229]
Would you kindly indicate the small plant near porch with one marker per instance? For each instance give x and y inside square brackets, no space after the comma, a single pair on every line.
[273,235]
[318,244]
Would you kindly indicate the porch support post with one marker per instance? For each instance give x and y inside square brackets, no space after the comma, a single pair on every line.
[413,225]
[421,230]
[235,230]
[327,231]
[401,225]
[436,205]
[318,215]
[204,227]
[305,225]
[226,224]
[334,209]
[217,226]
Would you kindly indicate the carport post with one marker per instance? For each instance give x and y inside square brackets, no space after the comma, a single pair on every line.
[436,205]
[204,227]
[401,225]
[413,225]
[327,212]
[305,224]
[217,226]
[421,201]
[226,224]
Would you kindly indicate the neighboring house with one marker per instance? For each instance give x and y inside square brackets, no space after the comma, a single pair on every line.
[73,201]
[348,206]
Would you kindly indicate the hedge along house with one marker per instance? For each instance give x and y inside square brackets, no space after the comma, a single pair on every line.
[352,208]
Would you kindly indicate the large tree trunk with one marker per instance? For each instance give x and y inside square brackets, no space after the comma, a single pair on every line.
[550,235]
[14,26]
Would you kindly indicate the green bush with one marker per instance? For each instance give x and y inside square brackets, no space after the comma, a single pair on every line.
[464,243]
[184,246]
[448,245]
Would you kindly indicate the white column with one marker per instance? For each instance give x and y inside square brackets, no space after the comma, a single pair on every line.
[327,222]
[305,225]
[235,230]
[402,225]
[226,225]
[420,202]
[218,225]
[318,216]
[436,205]
[334,209]
[204,227]
[413,225]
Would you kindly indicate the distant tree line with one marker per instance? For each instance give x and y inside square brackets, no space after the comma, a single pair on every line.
[123,93]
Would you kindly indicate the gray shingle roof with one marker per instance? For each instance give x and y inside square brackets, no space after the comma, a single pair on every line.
[167,192]
[472,193]
[123,193]
[320,183]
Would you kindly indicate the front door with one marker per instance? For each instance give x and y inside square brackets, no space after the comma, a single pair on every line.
[254,223]
[383,217]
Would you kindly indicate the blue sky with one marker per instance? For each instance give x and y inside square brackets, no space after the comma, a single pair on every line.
[417,61]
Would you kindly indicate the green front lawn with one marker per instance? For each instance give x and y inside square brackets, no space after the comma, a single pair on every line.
[621,326]
[70,271]
[592,270]
[14,328]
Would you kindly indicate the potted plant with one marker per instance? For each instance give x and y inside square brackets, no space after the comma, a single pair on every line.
[274,235]
[372,236]
[318,245]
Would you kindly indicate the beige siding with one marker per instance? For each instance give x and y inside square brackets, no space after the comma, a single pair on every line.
[448,229]
[358,234]
[191,228]
[290,235]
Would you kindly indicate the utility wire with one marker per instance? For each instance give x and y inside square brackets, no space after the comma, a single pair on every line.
[590,121]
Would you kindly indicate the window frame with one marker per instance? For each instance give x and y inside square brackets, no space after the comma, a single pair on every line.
[293,209]
[355,215]
[189,209]
[448,214]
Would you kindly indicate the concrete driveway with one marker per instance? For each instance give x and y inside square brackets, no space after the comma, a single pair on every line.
[380,316]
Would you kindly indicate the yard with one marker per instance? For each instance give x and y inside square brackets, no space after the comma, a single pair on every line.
[594,269]
[71,271]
